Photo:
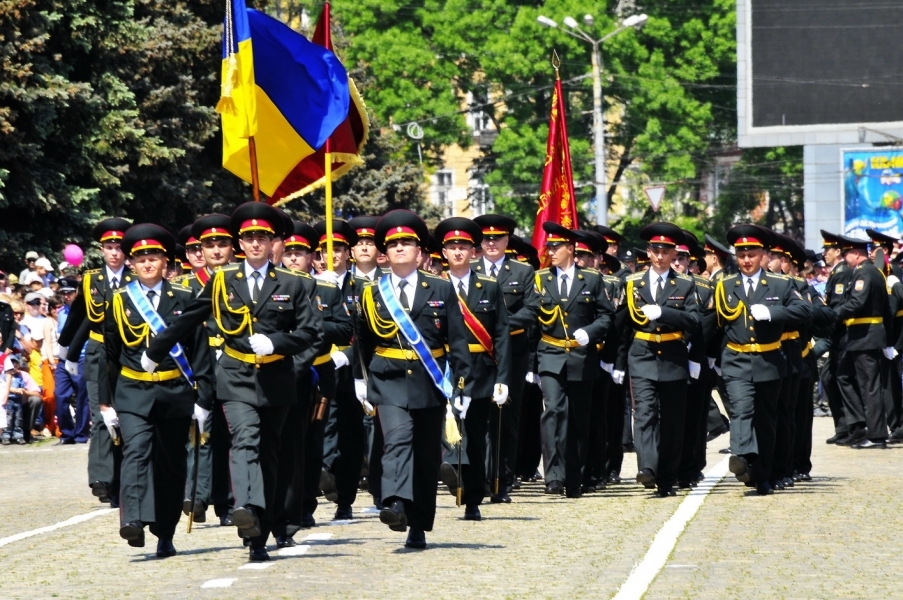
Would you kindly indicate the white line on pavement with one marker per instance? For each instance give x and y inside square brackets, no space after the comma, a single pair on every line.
[256,566]
[73,521]
[644,573]
[294,550]
[318,537]
[219,583]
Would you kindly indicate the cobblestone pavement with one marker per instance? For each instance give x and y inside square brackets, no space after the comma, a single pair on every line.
[837,536]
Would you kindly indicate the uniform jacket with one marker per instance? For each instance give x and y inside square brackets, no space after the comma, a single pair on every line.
[788,311]
[667,360]
[587,307]
[610,353]
[172,398]
[405,382]
[338,329]
[515,280]
[486,302]
[284,314]
[865,296]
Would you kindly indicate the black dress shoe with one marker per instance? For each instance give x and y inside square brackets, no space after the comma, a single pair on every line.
[578,493]
[871,445]
[226,520]
[308,521]
[554,487]
[836,438]
[416,539]
[165,549]
[778,484]
[516,484]
[666,490]
[717,432]
[449,476]
[285,541]
[788,482]
[796,476]
[133,533]
[245,519]
[685,485]
[805,477]
[647,478]
[259,554]
[614,477]
[472,513]
[763,488]
[327,485]
[700,477]
[114,501]
[739,467]
[859,435]
[896,437]
[724,451]
[502,496]
[65,442]
[343,513]
[393,516]
[200,510]
[101,490]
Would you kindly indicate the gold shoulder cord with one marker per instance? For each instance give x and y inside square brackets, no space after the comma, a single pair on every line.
[636,315]
[219,294]
[139,333]
[555,313]
[721,306]
[95,309]
[384,328]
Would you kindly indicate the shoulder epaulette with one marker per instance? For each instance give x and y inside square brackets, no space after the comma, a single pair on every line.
[636,276]
[702,281]
[430,275]
[684,276]
[121,290]
[290,272]
[731,276]
[91,271]
[777,276]
[327,284]
[543,271]
[611,278]
[590,270]
[371,283]
[482,277]
[229,267]
[182,289]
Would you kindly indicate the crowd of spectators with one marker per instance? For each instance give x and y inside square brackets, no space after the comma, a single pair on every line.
[39,298]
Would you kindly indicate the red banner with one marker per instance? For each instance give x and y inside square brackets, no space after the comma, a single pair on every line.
[556,196]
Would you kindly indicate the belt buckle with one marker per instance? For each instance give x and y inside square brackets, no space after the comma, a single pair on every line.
[155,376]
[408,354]
[755,347]
[258,360]
[658,338]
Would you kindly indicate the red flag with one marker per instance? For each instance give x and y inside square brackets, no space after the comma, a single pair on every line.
[556,196]
[345,144]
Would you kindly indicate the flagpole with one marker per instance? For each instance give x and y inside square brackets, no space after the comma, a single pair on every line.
[255,181]
[327,168]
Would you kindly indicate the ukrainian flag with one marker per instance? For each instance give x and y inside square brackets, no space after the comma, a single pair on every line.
[286,92]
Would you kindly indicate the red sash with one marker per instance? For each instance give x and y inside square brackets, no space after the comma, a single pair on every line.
[477,328]
[203,276]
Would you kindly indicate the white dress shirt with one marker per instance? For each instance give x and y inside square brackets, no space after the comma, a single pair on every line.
[263,274]
[755,280]
[570,275]
[158,289]
[653,281]
[372,275]
[118,276]
[455,281]
[487,264]
[409,289]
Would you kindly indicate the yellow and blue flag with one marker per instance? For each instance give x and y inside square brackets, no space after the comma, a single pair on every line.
[286,92]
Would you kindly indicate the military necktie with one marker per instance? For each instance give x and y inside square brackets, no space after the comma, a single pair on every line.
[402,297]
[493,272]
[255,287]
[461,293]
[115,283]
[659,289]
[749,288]
[564,287]
[151,294]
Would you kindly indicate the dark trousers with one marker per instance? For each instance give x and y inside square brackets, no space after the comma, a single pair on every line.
[598,430]
[753,408]
[510,416]
[893,396]
[659,426]
[154,459]
[802,440]
[375,477]
[214,482]
[529,441]
[350,436]
[692,455]
[617,408]
[72,390]
[412,454]
[476,426]
[565,429]
[291,473]
[256,436]
[104,457]
[714,417]
[785,427]
[859,379]
[832,391]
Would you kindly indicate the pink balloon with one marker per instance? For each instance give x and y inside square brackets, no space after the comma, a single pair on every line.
[73,255]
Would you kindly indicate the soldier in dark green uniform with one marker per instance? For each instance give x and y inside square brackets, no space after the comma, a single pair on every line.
[575,314]
[864,312]
[754,309]
[266,317]
[835,287]
[405,369]
[486,318]
[85,325]
[664,314]
[154,410]
[716,260]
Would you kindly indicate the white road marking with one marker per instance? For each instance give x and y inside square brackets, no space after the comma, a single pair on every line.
[339,522]
[318,537]
[219,583]
[294,550]
[256,566]
[645,572]
[73,521]
[369,510]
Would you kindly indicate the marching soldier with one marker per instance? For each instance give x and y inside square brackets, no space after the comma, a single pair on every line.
[483,308]
[265,317]
[154,411]
[515,279]
[868,327]
[837,284]
[192,249]
[575,315]
[407,319]
[754,309]
[664,314]
[84,328]
[716,260]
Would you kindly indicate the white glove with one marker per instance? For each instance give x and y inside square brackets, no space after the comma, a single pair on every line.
[462,403]
[760,312]
[72,368]
[717,370]
[531,377]
[694,369]
[892,280]
[711,363]
[339,359]
[111,420]
[890,353]
[582,337]
[330,276]
[62,353]
[200,415]
[360,390]
[261,344]
[652,311]
[617,377]
[147,364]
[500,393]
[607,367]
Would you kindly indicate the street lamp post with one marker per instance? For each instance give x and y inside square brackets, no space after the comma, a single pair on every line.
[601,175]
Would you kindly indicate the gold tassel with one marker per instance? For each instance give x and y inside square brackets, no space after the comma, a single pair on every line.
[226,104]
[452,435]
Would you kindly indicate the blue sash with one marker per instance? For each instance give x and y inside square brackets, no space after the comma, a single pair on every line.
[412,334]
[156,324]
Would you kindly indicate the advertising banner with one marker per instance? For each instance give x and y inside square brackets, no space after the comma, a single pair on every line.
[873,192]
